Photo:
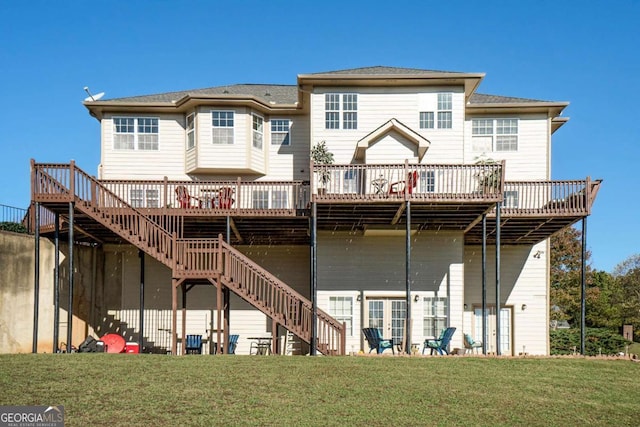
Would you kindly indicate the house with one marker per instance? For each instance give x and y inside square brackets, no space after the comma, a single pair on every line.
[433,188]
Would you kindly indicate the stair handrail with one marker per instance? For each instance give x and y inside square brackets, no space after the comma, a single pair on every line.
[83,187]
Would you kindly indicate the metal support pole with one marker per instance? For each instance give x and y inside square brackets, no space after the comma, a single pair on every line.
[498,206]
[36,280]
[141,325]
[56,285]
[184,318]
[484,284]
[71,268]
[314,279]
[583,287]
[226,294]
[407,338]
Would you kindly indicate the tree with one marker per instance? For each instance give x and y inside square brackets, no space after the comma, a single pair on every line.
[627,276]
[566,272]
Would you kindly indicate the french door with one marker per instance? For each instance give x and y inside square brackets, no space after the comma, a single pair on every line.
[506,347]
[388,315]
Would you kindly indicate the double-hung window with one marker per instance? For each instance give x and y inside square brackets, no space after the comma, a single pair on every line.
[511,199]
[445,110]
[435,315]
[222,127]
[191,131]
[258,131]
[494,135]
[427,181]
[135,133]
[341,308]
[426,120]
[341,110]
[144,198]
[260,199]
[280,132]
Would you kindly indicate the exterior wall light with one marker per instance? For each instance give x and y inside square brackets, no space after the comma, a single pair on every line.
[416,298]
[524,307]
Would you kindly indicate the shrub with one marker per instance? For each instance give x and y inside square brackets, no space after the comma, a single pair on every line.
[14,227]
[597,341]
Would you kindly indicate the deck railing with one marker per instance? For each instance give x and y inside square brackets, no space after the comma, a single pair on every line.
[408,181]
[206,197]
[548,197]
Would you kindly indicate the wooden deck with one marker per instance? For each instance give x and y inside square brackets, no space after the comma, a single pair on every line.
[353,198]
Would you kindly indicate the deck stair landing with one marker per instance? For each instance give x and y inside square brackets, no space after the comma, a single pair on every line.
[56,185]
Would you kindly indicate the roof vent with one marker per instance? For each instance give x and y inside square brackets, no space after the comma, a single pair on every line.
[225,91]
[267,94]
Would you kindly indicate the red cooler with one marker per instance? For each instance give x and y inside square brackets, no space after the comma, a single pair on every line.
[132,347]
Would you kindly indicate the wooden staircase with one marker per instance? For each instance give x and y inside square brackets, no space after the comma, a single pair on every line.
[210,259]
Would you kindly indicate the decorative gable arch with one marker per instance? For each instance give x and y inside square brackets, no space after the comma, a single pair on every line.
[393,125]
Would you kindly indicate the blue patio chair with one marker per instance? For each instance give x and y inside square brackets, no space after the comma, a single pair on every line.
[440,344]
[375,340]
[233,343]
[193,344]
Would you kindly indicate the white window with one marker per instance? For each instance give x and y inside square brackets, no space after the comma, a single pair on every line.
[427,181]
[260,199]
[191,131]
[350,111]
[135,133]
[494,135]
[258,131]
[222,123]
[341,308]
[144,198]
[426,120]
[435,315]
[445,110]
[507,135]
[511,199]
[280,132]
[341,107]
[279,199]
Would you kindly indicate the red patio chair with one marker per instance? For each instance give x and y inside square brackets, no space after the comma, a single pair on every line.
[185,200]
[225,197]
[399,187]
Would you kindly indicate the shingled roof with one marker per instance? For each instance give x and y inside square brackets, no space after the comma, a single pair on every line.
[481,98]
[279,94]
[382,70]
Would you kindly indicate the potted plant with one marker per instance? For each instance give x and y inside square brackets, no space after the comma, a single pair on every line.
[488,179]
[320,155]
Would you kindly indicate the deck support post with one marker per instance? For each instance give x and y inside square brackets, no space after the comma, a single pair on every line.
[314,279]
[226,296]
[183,351]
[71,269]
[219,309]
[174,317]
[141,320]
[498,206]
[56,284]
[36,280]
[484,284]
[407,337]
[583,287]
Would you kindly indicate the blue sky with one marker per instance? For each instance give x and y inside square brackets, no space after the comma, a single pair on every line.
[582,52]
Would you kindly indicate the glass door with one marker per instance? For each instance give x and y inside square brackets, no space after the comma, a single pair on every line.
[388,315]
[490,338]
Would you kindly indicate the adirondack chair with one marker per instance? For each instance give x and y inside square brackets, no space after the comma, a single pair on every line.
[439,345]
[233,343]
[410,184]
[193,344]
[375,340]
[185,200]
[470,344]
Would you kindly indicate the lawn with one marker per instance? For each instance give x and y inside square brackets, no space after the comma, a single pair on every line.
[129,390]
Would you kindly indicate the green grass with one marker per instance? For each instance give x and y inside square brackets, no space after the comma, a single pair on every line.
[128,390]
